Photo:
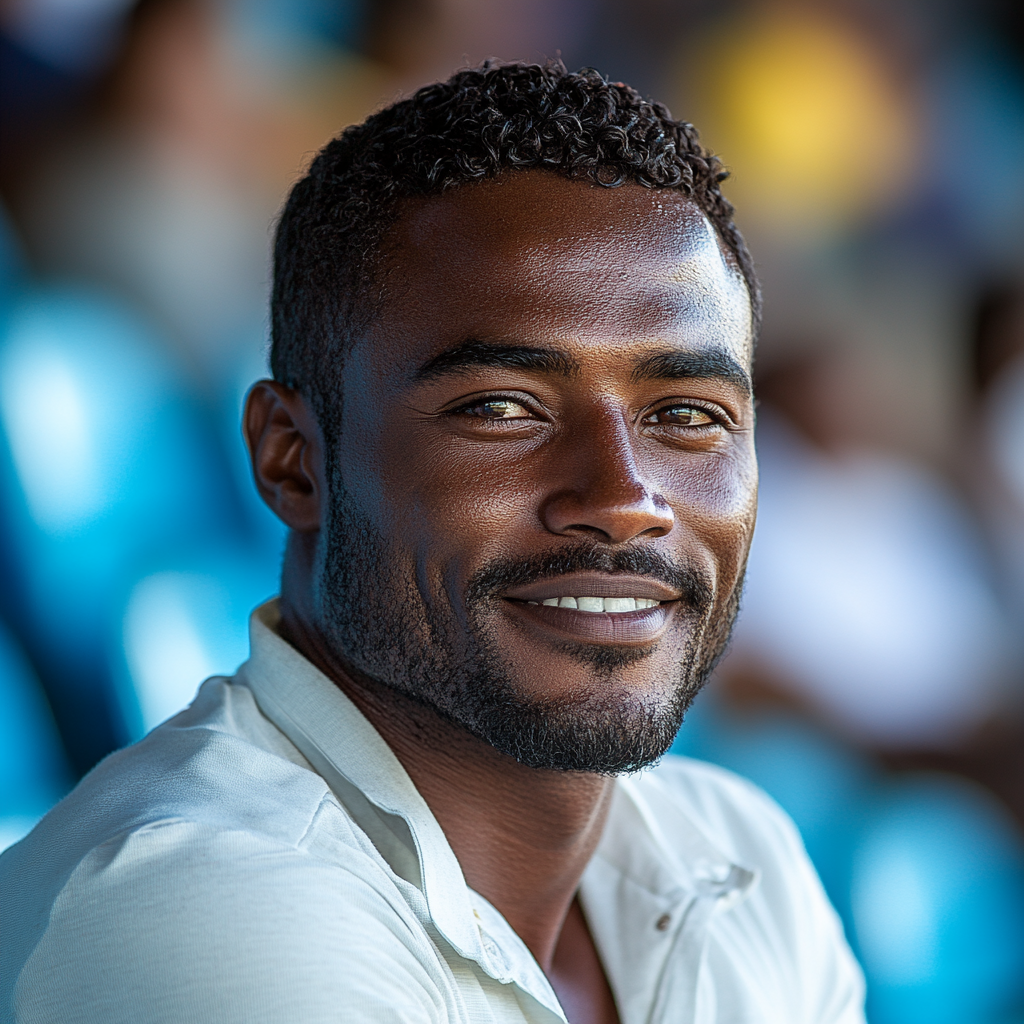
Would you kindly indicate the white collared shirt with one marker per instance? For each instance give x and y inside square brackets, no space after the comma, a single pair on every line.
[264,858]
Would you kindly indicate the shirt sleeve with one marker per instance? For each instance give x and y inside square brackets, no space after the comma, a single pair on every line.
[179,922]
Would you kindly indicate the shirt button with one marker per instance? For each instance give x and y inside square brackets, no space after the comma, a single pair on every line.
[663,922]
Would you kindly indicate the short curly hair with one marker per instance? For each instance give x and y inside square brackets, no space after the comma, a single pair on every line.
[482,122]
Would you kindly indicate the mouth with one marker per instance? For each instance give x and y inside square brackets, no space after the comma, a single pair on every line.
[596,608]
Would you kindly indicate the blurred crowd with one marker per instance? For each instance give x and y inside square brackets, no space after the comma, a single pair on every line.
[875,686]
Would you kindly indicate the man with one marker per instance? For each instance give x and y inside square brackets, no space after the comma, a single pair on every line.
[511,433]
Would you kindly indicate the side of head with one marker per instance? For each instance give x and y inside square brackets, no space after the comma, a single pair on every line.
[512,427]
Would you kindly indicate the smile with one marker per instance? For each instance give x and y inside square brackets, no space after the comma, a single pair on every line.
[598,608]
[599,605]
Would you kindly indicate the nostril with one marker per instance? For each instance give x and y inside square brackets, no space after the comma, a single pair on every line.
[584,528]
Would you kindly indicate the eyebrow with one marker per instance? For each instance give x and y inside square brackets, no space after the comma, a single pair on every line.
[478,353]
[669,364]
[710,365]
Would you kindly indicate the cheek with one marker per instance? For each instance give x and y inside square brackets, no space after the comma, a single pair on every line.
[715,500]
[453,501]
[476,491]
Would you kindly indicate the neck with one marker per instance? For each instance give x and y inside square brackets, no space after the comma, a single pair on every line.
[523,836]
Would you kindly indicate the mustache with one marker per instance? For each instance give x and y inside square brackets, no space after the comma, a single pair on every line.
[691,581]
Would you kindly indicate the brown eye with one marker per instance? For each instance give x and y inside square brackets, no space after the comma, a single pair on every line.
[495,409]
[680,416]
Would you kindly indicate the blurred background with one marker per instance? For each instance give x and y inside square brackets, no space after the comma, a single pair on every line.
[876,683]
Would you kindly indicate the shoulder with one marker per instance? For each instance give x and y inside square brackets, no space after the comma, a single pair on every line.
[220,762]
[205,863]
[200,922]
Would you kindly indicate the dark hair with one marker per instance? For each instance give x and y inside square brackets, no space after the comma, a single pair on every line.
[478,124]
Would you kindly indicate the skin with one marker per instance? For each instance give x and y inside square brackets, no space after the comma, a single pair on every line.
[456,468]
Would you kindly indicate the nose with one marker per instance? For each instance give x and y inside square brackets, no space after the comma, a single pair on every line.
[601,492]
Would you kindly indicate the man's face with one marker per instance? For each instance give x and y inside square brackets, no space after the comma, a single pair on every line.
[544,486]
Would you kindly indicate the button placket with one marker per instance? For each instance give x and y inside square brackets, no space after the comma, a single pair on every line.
[676,992]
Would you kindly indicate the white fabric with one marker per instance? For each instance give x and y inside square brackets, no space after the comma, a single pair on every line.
[263,857]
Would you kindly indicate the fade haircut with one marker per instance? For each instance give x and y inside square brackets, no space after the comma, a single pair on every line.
[482,122]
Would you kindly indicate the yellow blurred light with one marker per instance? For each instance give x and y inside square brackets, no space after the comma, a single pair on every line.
[804,113]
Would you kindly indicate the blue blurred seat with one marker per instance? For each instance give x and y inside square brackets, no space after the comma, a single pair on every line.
[927,871]
[104,458]
[183,621]
[34,772]
[938,905]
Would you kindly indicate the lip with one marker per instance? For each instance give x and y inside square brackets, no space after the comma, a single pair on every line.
[594,584]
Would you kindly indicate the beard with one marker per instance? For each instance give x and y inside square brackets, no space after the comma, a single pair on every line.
[388,626]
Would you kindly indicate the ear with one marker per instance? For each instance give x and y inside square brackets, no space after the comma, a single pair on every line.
[286,449]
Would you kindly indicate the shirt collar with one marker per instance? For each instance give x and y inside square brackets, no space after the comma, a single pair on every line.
[650,893]
[363,772]
[687,864]
[369,780]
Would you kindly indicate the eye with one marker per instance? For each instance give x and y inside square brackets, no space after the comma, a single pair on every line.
[494,409]
[680,415]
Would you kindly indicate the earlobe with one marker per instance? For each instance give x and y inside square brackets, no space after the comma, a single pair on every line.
[286,452]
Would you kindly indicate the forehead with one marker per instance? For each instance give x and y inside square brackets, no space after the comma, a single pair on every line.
[533,256]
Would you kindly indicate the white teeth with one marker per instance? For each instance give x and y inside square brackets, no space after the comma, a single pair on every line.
[600,604]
